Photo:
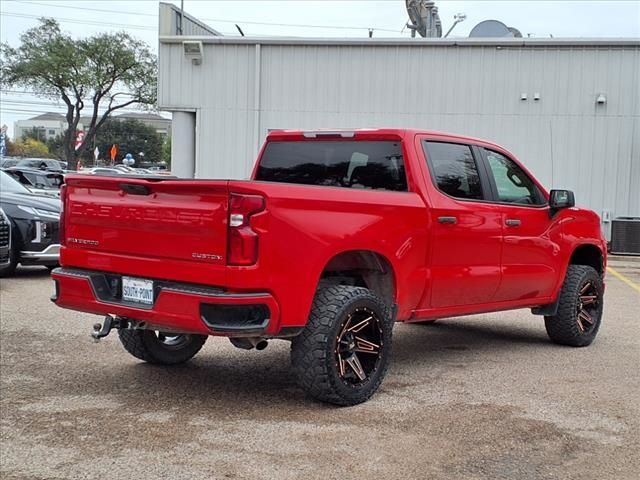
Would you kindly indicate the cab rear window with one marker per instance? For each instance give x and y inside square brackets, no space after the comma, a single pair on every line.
[369,165]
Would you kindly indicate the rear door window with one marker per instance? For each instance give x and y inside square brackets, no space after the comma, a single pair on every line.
[371,165]
[454,169]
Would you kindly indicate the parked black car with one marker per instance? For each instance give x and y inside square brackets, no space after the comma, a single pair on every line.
[36,163]
[5,240]
[40,182]
[34,223]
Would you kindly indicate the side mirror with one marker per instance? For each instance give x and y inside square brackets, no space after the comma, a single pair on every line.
[559,199]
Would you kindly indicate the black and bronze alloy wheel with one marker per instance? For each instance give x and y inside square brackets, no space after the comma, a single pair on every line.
[358,346]
[580,306]
[343,353]
[587,307]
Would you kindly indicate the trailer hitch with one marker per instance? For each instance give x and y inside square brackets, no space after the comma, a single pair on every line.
[101,331]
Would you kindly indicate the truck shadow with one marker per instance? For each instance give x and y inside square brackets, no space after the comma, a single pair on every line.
[217,380]
[465,339]
[29,272]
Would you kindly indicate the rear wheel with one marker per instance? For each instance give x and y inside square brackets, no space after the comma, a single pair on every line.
[577,321]
[159,347]
[343,353]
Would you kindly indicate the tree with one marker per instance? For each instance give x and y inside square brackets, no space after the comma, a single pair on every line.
[35,133]
[130,136]
[107,72]
[35,148]
[14,149]
[28,147]
[56,146]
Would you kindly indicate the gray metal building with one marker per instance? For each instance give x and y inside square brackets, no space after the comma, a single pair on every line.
[568,108]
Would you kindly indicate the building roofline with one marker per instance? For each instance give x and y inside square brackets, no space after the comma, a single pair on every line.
[191,18]
[423,42]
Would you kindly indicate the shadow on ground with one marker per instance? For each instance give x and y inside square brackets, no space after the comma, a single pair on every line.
[223,376]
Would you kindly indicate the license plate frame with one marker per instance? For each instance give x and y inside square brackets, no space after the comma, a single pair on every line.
[137,290]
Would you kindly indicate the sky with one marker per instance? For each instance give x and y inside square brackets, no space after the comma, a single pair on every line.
[305,19]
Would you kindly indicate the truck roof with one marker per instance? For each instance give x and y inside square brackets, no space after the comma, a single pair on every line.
[370,133]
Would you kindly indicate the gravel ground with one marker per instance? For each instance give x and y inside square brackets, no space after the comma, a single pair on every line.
[485,397]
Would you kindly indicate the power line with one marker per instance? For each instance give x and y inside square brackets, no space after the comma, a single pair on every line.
[82,22]
[20,92]
[21,111]
[31,102]
[83,114]
[26,92]
[53,108]
[296,25]
[246,22]
[86,8]
[122,26]
[37,102]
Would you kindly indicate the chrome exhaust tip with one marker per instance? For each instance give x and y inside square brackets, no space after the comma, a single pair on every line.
[248,343]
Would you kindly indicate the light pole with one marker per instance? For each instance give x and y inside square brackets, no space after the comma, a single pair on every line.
[460,17]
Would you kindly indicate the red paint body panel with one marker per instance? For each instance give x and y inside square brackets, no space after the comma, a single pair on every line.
[176,230]
[173,310]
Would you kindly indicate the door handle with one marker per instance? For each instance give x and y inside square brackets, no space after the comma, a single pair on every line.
[135,189]
[512,222]
[447,220]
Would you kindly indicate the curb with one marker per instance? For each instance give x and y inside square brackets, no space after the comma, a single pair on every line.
[623,258]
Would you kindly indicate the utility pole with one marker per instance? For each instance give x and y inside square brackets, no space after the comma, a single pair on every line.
[181,16]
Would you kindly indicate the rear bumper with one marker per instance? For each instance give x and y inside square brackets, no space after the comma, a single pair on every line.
[179,307]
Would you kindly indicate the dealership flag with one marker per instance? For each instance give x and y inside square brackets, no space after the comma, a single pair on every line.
[79,139]
[3,136]
[113,152]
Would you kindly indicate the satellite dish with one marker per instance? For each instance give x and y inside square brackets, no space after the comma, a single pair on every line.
[491,29]
[424,18]
[516,32]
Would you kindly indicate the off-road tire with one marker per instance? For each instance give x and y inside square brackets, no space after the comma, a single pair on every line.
[313,352]
[145,345]
[563,327]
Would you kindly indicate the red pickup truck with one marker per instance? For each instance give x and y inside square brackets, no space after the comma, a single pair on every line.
[337,235]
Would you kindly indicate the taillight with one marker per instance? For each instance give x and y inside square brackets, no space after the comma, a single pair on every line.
[243,240]
[61,229]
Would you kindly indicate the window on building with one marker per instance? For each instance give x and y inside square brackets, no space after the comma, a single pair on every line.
[514,186]
[454,169]
[52,132]
[376,165]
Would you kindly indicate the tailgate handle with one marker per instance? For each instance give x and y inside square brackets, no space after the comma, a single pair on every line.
[135,189]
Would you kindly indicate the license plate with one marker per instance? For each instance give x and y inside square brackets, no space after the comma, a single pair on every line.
[137,290]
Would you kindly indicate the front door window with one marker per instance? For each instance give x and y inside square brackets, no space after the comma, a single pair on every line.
[514,186]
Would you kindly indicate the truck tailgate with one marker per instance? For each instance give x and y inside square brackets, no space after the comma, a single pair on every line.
[151,218]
